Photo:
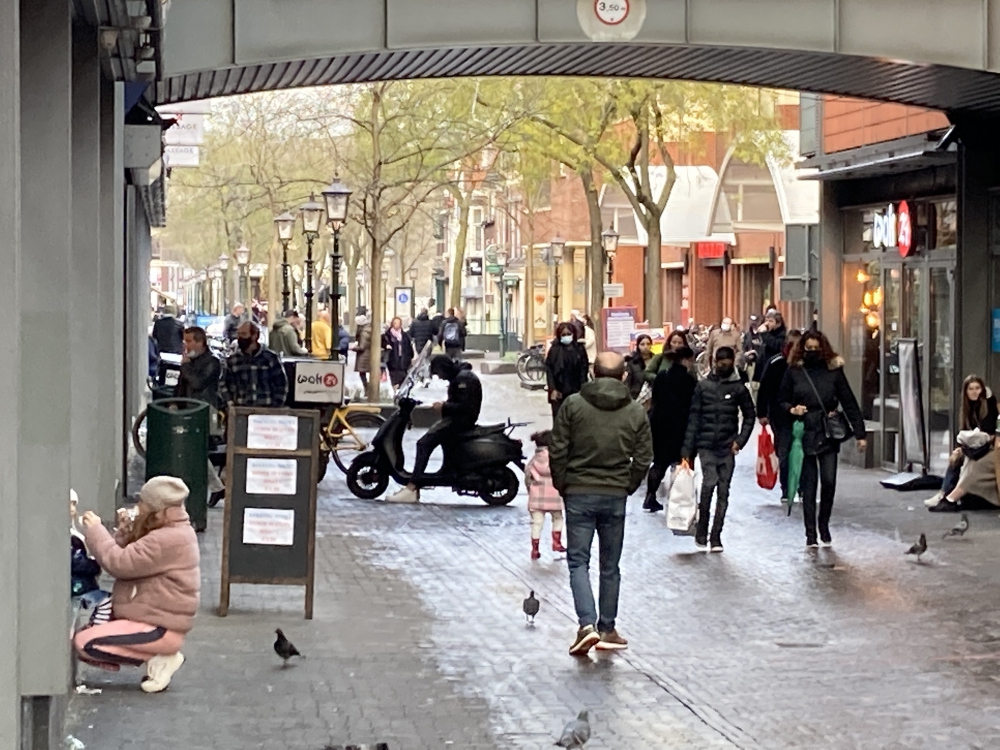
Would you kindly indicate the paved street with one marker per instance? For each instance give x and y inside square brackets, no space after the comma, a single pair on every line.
[418,639]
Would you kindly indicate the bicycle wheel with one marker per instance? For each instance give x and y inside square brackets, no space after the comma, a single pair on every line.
[346,448]
[534,369]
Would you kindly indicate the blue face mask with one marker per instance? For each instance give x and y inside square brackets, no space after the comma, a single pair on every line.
[566,340]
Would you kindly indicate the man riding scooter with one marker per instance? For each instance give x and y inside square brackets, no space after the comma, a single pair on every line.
[458,414]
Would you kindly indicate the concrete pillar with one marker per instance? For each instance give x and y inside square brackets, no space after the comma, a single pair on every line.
[90,439]
[10,364]
[138,251]
[44,433]
[111,291]
[827,294]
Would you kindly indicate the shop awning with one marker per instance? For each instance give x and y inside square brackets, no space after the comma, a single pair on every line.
[937,149]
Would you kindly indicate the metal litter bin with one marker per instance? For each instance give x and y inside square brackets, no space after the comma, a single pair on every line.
[177,446]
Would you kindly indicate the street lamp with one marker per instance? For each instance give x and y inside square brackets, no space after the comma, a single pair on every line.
[286,228]
[556,245]
[312,217]
[224,271]
[501,264]
[242,260]
[337,197]
[609,241]
[385,293]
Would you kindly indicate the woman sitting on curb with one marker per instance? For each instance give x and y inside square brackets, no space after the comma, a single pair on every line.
[155,562]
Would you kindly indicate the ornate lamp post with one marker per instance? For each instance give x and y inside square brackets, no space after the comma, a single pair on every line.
[556,246]
[337,197]
[312,217]
[501,264]
[385,294]
[609,240]
[242,261]
[286,228]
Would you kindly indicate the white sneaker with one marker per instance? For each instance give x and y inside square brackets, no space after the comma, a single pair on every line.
[160,669]
[405,495]
[932,501]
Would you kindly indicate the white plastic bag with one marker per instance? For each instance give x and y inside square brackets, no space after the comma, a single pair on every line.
[682,505]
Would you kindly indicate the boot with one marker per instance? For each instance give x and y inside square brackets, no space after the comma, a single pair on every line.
[535,554]
[651,503]
[557,542]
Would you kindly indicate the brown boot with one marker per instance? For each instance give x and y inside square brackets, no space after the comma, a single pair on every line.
[535,554]
[557,542]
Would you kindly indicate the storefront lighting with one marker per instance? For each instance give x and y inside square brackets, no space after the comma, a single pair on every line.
[872,320]
[869,299]
[877,297]
[863,278]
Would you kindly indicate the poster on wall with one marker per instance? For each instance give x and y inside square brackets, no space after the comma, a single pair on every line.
[618,325]
[911,406]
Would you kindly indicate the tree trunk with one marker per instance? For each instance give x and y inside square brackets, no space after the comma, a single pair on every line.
[458,260]
[375,232]
[653,308]
[595,254]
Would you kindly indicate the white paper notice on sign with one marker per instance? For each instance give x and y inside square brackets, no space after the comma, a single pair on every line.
[271,476]
[272,432]
[273,526]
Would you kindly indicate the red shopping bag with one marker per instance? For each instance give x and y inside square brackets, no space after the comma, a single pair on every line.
[767,461]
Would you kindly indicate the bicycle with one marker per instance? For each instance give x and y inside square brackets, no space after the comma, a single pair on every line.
[348,433]
[530,365]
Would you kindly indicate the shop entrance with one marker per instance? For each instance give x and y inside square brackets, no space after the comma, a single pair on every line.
[923,301]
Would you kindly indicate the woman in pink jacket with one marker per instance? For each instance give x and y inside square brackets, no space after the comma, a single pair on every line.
[542,496]
[155,562]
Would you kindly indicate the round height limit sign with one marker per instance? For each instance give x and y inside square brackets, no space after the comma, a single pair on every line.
[611,12]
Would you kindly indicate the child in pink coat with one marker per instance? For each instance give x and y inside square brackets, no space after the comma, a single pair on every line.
[542,496]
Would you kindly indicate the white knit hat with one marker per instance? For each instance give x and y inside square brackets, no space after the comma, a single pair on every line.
[163,492]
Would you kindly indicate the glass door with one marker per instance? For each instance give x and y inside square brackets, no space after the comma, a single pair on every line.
[887,406]
[939,378]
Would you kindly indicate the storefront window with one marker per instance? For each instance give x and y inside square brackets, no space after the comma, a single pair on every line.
[945,224]
[863,323]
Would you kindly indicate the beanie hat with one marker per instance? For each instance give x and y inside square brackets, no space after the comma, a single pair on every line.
[163,492]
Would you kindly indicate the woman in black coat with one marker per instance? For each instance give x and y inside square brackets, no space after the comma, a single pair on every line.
[566,366]
[813,390]
[636,362]
[668,418]
[398,352]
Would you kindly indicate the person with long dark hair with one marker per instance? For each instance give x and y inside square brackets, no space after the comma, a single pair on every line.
[668,419]
[636,363]
[815,390]
[566,366]
[677,340]
[966,476]
[769,411]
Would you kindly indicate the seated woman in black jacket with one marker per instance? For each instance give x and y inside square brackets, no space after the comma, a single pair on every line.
[814,389]
[979,412]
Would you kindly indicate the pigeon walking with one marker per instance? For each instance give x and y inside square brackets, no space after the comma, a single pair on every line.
[577,732]
[530,607]
[919,548]
[960,528]
[285,648]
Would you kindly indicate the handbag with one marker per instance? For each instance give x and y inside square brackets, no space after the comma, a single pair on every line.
[835,425]
[767,461]
[682,503]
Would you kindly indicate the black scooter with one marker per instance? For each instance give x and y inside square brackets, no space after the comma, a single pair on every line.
[475,462]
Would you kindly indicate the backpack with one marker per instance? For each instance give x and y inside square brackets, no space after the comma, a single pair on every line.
[452,333]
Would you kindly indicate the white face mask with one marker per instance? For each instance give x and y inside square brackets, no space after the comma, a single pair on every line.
[727,326]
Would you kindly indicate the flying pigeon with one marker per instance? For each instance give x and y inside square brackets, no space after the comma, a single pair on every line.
[530,607]
[577,732]
[285,649]
[960,528]
[919,548]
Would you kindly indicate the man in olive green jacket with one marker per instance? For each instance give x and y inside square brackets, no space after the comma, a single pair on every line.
[600,450]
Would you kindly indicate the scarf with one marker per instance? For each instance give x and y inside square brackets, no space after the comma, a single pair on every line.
[398,335]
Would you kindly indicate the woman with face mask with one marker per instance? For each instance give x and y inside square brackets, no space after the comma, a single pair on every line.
[566,366]
[637,362]
[727,334]
[814,390]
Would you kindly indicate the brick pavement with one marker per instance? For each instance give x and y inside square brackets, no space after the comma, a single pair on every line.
[418,638]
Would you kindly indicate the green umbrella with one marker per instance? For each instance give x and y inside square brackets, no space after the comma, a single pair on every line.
[795,456]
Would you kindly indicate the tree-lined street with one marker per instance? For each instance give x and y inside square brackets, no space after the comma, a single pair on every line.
[419,640]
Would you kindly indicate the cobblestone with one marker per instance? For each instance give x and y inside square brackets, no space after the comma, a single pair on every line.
[418,638]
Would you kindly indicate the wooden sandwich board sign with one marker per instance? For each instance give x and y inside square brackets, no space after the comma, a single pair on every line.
[269,532]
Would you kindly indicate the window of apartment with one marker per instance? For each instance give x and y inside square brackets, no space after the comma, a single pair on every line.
[476,226]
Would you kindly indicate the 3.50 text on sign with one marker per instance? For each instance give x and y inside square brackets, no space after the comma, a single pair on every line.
[611,12]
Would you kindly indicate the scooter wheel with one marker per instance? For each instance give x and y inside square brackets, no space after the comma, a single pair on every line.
[501,488]
[366,477]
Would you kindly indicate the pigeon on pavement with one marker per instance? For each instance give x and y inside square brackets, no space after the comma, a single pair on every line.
[919,548]
[530,607]
[960,528]
[285,649]
[577,732]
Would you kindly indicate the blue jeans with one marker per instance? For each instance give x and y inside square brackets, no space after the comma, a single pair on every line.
[586,514]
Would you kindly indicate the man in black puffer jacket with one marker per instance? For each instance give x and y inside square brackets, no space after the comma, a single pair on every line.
[714,434]
[421,330]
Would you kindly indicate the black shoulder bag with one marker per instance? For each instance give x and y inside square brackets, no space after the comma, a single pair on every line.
[835,425]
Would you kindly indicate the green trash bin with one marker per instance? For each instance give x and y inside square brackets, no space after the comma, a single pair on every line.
[177,446]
